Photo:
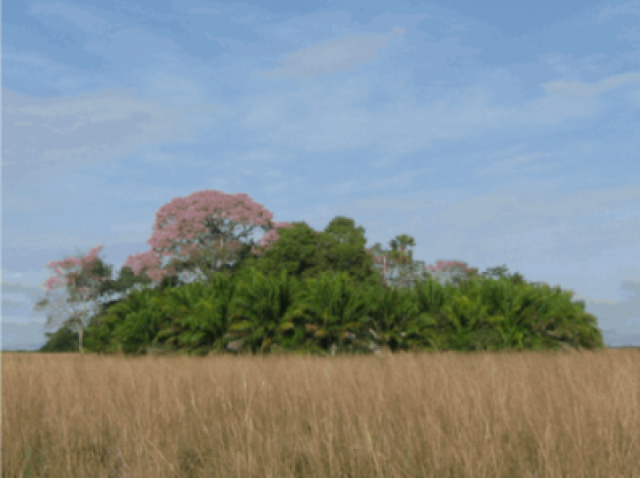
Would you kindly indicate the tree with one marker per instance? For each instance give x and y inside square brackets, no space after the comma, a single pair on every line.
[398,259]
[194,228]
[188,229]
[399,246]
[106,293]
[344,230]
[295,250]
[62,340]
[460,270]
[348,254]
[402,257]
[380,259]
[82,286]
[304,252]
[112,292]
[502,273]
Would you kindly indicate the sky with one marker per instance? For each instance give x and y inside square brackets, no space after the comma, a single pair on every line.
[492,132]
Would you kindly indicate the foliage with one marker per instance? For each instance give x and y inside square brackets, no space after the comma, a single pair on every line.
[295,252]
[399,270]
[263,311]
[62,340]
[341,248]
[258,312]
[398,321]
[82,277]
[334,311]
[304,291]
[201,228]
[65,339]
[304,253]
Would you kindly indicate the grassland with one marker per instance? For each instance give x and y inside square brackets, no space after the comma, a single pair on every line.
[528,414]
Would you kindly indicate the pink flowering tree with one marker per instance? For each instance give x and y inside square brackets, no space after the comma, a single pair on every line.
[82,285]
[458,270]
[201,228]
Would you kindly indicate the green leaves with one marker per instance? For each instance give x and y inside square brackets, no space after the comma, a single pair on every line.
[131,324]
[336,312]
[262,310]
[305,253]
[275,310]
[394,315]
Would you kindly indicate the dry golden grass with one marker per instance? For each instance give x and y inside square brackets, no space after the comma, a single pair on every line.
[430,415]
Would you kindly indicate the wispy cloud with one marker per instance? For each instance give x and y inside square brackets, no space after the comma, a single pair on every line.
[340,54]
[80,18]
[577,88]
[52,135]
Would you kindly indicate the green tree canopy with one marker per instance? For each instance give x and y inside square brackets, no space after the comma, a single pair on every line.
[304,253]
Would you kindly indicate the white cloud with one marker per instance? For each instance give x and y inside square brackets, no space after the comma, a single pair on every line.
[611,11]
[51,137]
[577,88]
[204,10]
[78,17]
[340,54]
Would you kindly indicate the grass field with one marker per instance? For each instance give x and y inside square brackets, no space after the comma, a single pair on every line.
[530,414]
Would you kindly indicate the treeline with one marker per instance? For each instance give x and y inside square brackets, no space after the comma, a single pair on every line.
[321,293]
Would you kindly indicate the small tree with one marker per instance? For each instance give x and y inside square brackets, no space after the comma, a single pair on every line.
[82,286]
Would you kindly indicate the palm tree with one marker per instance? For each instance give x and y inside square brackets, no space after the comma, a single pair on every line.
[401,242]
[399,252]
[263,313]
[336,313]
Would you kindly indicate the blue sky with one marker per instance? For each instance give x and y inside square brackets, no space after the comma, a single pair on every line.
[493,132]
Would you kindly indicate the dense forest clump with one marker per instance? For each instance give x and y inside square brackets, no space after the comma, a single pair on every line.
[320,293]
